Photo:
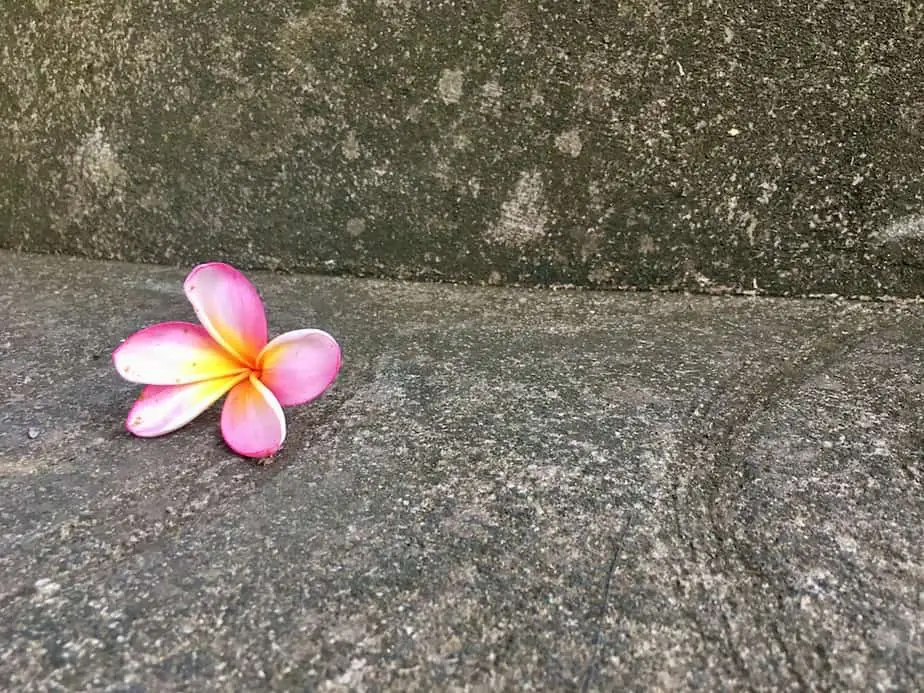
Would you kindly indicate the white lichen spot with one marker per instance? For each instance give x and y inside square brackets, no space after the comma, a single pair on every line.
[767,188]
[600,275]
[95,176]
[846,543]
[350,147]
[461,142]
[315,124]
[524,216]
[96,163]
[701,279]
[515,19]
[450,86]
[492,95]
[732,203]
[646,244]
[569,143]
[751,227]
[405,5]
[413,114]
[906,228]
[355,227]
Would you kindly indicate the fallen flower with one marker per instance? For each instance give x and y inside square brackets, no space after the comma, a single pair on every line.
[187,367]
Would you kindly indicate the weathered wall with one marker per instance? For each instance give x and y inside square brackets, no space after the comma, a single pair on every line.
[642,142]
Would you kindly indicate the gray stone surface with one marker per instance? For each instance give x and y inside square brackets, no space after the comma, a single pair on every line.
[505,490]
[728,145]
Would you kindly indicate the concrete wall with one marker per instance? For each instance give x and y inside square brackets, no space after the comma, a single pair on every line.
[640,143]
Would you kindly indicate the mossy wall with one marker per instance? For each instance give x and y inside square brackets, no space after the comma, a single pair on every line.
[642,143]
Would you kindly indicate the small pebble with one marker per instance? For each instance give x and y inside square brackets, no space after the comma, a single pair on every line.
[46,587]
[33,433]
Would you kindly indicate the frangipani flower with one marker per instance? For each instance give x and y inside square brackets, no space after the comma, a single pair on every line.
[187,367]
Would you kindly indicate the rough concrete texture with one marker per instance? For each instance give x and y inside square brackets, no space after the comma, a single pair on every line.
[727,145]
[505,490]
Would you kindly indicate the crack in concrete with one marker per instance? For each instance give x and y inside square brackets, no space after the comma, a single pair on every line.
[599,637]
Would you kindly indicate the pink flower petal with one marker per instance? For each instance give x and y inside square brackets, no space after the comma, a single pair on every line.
[229,307]
[252,421]
[161,409]
[173,353]
[298,366]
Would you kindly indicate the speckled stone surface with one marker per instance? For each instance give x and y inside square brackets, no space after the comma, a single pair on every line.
[504,490]
[720,146]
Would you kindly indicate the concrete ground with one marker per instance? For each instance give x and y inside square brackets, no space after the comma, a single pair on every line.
[504,490]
